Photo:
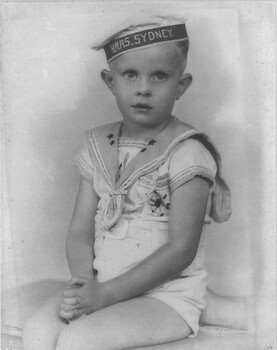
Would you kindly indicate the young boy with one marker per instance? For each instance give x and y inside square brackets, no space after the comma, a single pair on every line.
[149,184]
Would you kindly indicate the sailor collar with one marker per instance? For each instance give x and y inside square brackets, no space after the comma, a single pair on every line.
[103,149]
[103,142]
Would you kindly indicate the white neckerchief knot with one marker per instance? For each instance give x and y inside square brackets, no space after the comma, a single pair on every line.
[118,192]
[114,208]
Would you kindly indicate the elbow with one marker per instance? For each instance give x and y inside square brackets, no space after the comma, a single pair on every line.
[190,258]
[183,254]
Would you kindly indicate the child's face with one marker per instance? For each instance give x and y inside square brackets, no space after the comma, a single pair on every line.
[146,83]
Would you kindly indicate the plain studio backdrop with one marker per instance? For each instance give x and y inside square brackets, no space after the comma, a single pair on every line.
[52,92]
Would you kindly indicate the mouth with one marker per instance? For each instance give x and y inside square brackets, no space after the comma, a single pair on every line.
[142,107]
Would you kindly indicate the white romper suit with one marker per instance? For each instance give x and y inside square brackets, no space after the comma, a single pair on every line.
[132,217]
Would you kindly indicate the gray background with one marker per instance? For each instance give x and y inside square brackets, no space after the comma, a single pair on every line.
[52,92]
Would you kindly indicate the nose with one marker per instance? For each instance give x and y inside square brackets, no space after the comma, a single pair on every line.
[143,88]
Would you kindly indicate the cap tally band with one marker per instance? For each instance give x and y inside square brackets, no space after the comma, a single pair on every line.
[143,38]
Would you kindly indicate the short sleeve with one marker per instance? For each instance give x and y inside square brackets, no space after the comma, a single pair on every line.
[188,160]
[84,163]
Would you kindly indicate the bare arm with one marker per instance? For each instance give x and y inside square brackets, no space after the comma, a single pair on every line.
[186,218]
[79,245]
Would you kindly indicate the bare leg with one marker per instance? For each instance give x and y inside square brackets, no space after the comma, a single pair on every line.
[138,322]
[42,330]
[226,311]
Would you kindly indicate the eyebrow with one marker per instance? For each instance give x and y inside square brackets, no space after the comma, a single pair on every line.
[161,70]
[164,71]
[155,70]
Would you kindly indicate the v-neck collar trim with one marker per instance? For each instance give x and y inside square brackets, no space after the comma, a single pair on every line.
[104,150]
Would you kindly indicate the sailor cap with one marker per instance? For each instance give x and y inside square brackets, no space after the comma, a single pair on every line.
[132,35]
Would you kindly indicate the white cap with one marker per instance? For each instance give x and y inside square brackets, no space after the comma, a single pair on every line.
[138,32]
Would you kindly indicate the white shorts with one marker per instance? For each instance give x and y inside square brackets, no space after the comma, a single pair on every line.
[185,294]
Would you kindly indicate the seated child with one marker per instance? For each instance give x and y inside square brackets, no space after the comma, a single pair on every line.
[149,185]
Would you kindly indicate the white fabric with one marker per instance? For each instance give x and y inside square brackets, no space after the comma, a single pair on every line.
[134,24]
[143,226]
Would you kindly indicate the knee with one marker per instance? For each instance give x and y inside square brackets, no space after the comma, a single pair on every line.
[74,337]
[73,340]
[70,339]
[38,334]
[32,334]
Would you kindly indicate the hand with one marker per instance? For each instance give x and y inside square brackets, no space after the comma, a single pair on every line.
[83,296]
[70,305]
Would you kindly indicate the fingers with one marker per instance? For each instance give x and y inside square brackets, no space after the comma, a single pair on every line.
[70,293]
[71,315]
[72,301]
[69,304]
[69,308]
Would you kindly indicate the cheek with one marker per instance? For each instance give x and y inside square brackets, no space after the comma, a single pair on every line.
[123,89]
[122,99]
[167,95]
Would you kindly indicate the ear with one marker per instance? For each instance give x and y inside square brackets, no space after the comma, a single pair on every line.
[107,77]
[184,83]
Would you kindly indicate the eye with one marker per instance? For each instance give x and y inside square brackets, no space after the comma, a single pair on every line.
[130,74]
[159,76]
